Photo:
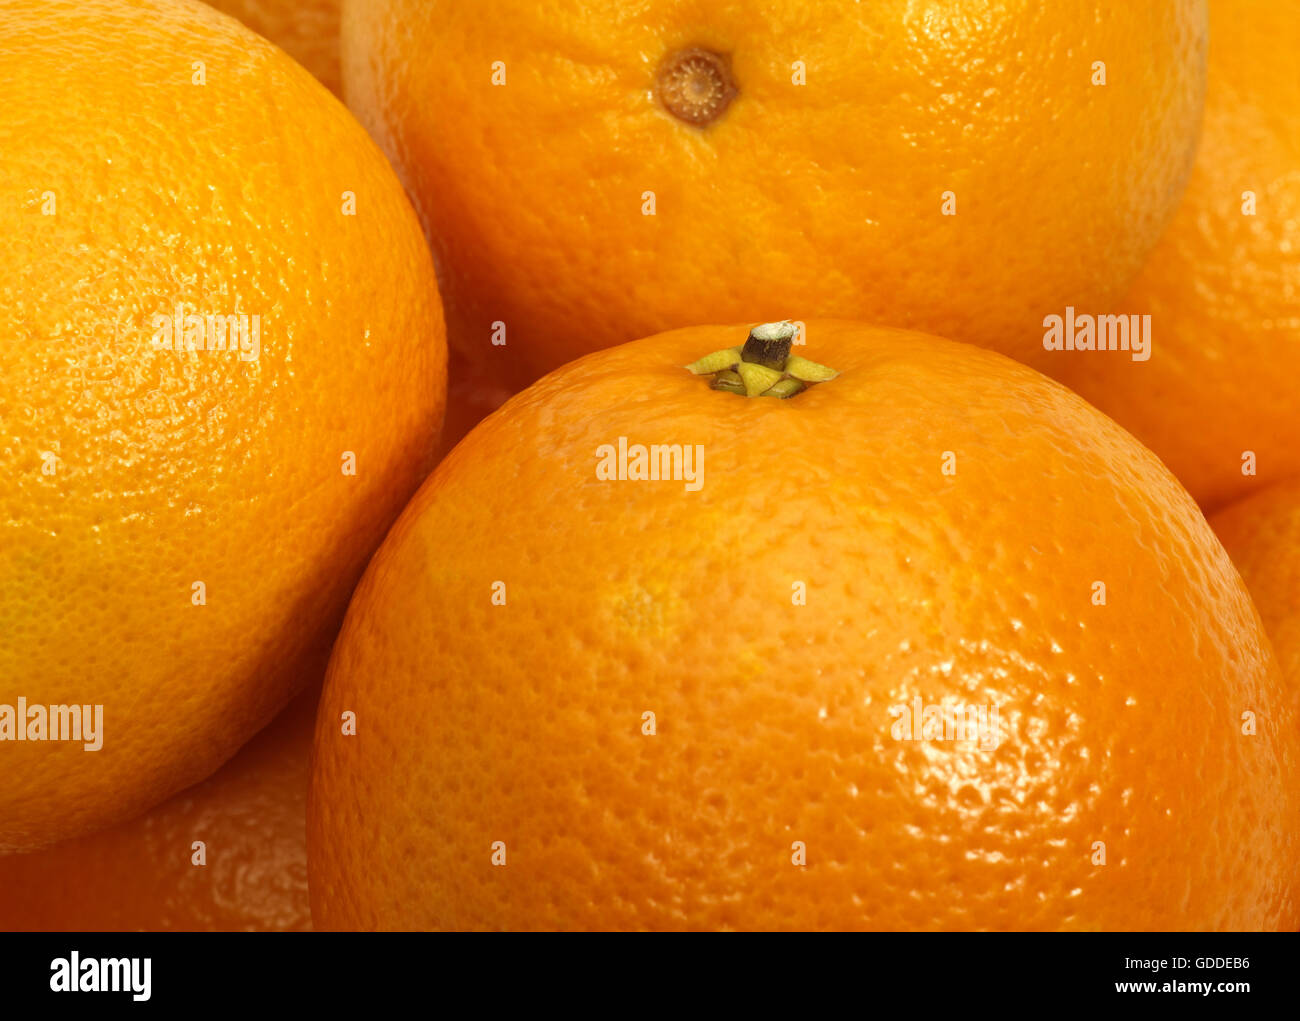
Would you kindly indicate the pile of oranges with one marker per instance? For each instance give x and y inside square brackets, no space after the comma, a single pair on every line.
[726,466]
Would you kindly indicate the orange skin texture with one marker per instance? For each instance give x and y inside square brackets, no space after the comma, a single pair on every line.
[1262,535]
[1223,288]
[522,722]
[307,30]
[171,467]
[139,875]
[825,198]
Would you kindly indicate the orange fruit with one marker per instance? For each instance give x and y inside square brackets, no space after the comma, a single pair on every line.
[141,874]
[307,30]
[793,161]
[925,534]
[1216,399]
[180,530]
[1262,535]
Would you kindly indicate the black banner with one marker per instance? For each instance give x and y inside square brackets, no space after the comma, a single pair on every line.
[166,972]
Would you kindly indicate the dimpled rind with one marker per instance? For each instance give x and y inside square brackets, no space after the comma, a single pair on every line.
[947,515]
[828,195]
[307,30]
[158,154]
[140,874]
[1223,286]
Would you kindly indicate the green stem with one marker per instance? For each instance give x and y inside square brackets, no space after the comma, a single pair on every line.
[764,366]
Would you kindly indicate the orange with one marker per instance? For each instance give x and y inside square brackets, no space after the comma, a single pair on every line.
[307,30]
[1262,535]
[180,530]
[600,704]
[1217,400]
[791,159]
[141,874]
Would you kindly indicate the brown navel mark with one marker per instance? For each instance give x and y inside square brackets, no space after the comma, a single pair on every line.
[695,85]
